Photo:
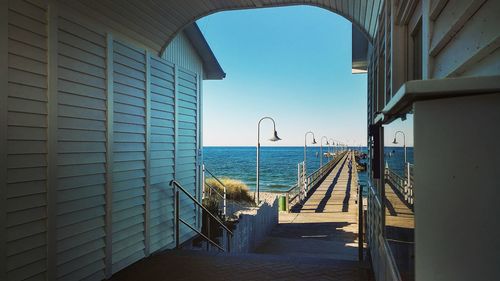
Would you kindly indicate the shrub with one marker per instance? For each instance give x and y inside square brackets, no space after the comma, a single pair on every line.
[235,190]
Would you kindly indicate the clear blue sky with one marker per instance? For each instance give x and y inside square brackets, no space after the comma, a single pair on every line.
[291,63]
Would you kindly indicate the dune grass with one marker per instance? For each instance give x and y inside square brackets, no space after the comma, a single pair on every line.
[236,190]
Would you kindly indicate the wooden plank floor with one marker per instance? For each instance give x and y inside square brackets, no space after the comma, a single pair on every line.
[326,225]
[397,213]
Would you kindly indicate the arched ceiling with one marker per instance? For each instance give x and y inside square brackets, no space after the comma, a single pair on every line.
[159,21]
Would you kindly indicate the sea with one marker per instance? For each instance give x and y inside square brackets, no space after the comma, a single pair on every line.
[278,164]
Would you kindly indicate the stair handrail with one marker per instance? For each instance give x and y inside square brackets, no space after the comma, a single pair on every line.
[177,186]
[224,195]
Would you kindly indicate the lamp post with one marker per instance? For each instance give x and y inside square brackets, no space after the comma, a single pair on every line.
[273,138]
[332,143]
[321,150]
[404,142]
[305,149]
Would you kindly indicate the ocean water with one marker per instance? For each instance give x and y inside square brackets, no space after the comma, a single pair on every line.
[278,165]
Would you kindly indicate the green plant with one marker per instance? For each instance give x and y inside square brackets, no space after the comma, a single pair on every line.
[235,190]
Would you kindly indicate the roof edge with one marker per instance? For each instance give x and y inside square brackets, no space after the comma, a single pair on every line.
[211,67]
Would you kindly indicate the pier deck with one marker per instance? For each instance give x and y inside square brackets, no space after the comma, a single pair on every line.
[326,225]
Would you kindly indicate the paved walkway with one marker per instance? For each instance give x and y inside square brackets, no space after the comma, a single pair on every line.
[317,243]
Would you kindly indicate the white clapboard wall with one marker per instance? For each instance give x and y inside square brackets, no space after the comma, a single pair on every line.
[81,151]
[162,147]
[97,128]
[129,154]
[26,187]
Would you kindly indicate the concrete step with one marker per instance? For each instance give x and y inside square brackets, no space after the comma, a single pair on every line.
[197,265]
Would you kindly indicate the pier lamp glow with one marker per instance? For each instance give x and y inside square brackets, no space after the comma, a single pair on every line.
[305,149]
[404,141]
[321,150]
[273,139]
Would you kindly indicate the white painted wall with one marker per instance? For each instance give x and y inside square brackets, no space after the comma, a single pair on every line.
[457,188]
[96,127]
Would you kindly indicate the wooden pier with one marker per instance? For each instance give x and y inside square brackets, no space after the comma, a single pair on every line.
[326,225]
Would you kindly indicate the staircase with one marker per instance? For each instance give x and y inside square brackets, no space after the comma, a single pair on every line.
[199,265]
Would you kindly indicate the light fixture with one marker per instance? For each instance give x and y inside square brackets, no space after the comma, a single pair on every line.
[275,137]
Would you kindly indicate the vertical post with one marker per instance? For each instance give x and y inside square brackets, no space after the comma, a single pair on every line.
[176,151]
[228,241]
[208,232]
[4,7]
[299,168]
[203,195]
[148,156]
[52,141]
[360,223]
[258,167]
[108,260]
[321,154]
[225,202]
[200,183]
[177,228]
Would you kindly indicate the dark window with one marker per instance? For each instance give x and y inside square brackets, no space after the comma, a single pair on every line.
[416,60]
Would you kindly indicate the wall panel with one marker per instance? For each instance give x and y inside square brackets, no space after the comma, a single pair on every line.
[466,33]
[129,153]
[186,145]
[26,175]
[162,153]
[81,155]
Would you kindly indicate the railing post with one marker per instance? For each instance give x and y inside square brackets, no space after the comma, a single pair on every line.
[177,238]
[208,233]
[203,182]
[228,242]
[224,201]
[360,223]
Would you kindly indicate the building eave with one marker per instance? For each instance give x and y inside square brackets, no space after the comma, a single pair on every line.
[211,66]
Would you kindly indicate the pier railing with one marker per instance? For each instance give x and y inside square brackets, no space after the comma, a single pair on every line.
[298,192]
[404,185]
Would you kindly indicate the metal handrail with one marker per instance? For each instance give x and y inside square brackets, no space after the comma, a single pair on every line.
[178,187]
[222,196]
[202,235]
[214,190]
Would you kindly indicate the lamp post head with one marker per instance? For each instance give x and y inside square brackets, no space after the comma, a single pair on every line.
[275,137]
[314,141]
[395,141]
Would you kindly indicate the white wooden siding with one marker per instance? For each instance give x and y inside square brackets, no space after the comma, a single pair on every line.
[186,145]
[129,155]
[108,149]
[26,185]
[162,153]
[182,53]
[81,151]
[468,28]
